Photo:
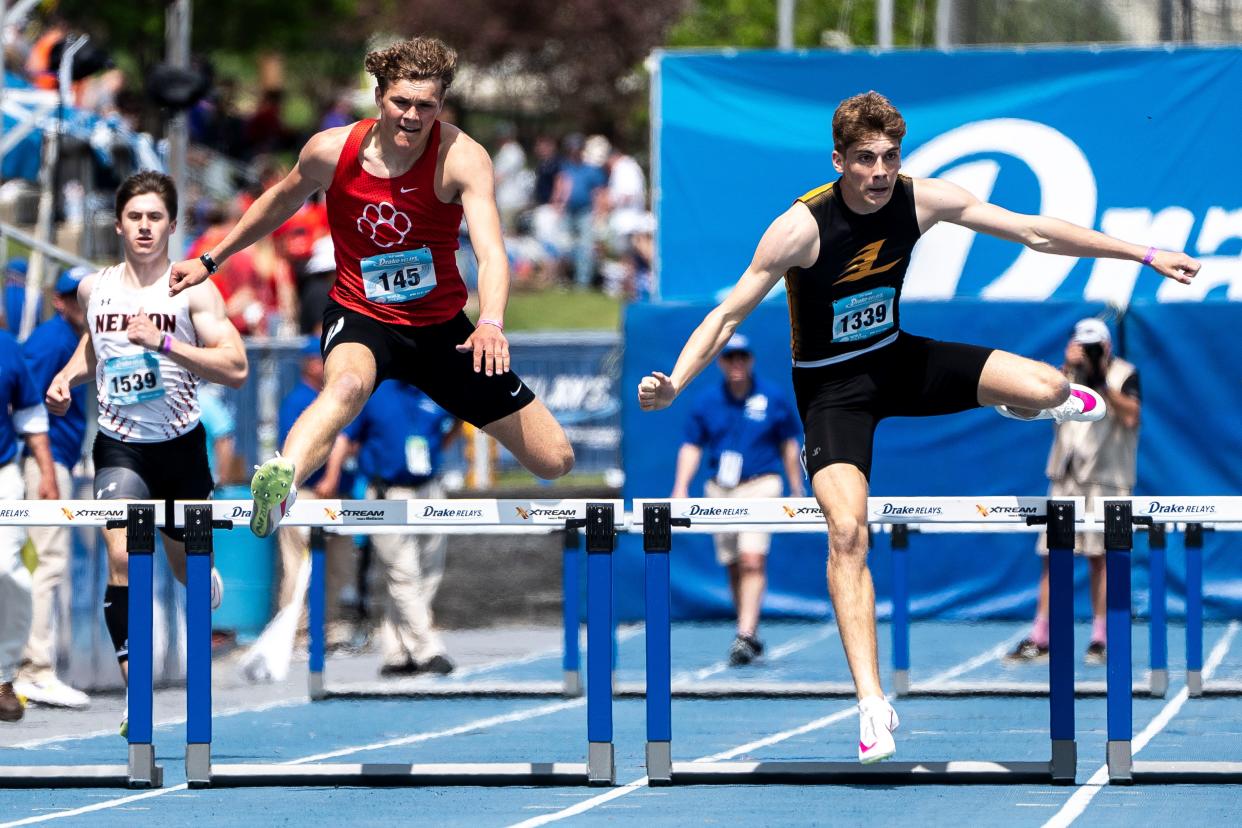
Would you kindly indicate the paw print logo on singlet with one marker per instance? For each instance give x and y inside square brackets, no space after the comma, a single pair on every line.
[384,224]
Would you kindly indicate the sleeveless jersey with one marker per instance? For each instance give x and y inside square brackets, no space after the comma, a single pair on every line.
[847,303]
[395,240]
[144,397]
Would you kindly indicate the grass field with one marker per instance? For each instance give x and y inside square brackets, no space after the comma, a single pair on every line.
[559,310]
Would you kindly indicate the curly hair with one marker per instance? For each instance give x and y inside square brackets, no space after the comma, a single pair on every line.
[420,58]
[863,115]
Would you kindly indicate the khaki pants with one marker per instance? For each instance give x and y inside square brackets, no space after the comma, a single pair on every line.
[413,566]
[15,582]
[54,545]
[342,563]
[728,546]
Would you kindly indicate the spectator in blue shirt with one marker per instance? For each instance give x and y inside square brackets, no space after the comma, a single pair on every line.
[400,436]
[749,432]
[49,347]
[329,482]
[21,413]
[574,194]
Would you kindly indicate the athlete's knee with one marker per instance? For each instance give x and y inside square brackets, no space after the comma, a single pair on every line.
[750,563]
[555,462]
[1050,387]
[347,390]
[847,537]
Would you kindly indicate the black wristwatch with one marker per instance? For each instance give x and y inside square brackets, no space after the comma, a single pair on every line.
[209,263]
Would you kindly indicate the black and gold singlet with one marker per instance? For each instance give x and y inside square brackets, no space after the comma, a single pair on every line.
[847,302]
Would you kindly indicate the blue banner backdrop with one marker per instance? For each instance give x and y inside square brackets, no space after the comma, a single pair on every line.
[1188,445]
[1125,141]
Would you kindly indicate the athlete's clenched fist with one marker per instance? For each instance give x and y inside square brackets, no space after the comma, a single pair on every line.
[655,392]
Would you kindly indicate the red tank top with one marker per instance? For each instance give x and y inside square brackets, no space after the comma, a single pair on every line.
[395,240]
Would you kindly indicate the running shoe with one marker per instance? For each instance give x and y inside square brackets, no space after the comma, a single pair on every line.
[45,688]
[1097,653]
[439,664]
[876,722]
[124,729]
[745,649]
[11,707]
[1027,652]
[1082,405]
[274,495]
[217,589]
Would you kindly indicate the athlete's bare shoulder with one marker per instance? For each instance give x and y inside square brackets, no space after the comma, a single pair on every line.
[462,154]
[85,287]
[938,200]
[318,158]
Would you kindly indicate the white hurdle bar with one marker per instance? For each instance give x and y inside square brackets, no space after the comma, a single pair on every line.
[1120,516]
[662,519]
[140,519]
[598,519]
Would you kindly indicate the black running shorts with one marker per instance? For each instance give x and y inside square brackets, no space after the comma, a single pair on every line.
[426,357]
[841,404]
[175,469]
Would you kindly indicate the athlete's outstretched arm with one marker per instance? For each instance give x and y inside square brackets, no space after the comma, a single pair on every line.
[469,166]
[790,241]
[313,171]
[938,200]
[220,359]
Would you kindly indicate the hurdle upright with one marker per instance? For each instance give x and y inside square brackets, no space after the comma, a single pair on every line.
[513,517]
[899,541]
[662,520]
[1120,516]
[598,520]
[139,519]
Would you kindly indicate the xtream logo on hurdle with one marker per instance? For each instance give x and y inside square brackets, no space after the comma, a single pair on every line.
[534,512]
[985,511]
[355,514]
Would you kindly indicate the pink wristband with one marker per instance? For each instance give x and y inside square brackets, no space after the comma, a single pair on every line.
[1151,254]
[493,323]
[166,344]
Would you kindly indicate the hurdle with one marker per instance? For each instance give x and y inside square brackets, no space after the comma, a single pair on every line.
[1120,517]
[599,522]
[899,543]
[663,519]
[139,519]
[512,517]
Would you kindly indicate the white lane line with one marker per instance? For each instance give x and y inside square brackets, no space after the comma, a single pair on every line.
[98,806]
[624,633]
[978,661]
[162,723]
[767,741]
[478,724]
[775,654]
[1081,798]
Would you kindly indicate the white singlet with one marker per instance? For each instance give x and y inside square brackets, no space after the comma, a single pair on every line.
[144,397]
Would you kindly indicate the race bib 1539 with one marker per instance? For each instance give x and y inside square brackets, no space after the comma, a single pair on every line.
[133,378]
